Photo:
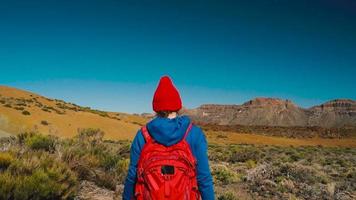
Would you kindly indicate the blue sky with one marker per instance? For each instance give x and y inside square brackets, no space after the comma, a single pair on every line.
[110,54]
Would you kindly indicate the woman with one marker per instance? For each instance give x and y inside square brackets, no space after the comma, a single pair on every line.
[168,131]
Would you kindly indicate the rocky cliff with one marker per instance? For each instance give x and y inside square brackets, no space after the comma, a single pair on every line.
[277,112]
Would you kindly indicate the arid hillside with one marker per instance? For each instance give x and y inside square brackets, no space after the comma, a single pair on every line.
[277,112]
[22,111]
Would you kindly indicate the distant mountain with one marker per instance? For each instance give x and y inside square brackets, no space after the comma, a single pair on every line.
[25,111]
[335,113]
[277,112]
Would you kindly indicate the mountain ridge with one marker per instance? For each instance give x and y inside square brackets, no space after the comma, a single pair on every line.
[263,111]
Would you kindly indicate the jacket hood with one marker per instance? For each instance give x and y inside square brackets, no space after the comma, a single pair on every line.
[168,131]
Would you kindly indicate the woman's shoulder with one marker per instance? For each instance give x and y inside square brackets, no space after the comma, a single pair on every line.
[195,133]
[197,129]
[138,140]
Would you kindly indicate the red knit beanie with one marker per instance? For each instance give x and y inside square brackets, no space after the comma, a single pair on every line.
[166,97]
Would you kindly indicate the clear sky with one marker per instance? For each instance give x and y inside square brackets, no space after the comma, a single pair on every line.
[110,54]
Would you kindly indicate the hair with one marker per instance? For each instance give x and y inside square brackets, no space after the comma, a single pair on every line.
[165,113]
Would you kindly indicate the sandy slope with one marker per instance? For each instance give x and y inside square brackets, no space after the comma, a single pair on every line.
[115,125]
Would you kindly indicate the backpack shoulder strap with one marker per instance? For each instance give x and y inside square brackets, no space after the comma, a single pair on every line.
[188,130]
[145,134]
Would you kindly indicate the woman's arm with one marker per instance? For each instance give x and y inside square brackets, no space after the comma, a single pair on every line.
[136,147]
[205,180]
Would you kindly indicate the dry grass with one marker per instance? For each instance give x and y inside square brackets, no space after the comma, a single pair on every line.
[220,137]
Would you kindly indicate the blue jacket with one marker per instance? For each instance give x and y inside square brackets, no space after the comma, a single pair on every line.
[168,132]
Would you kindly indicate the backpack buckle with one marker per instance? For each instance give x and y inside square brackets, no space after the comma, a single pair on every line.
[139,174]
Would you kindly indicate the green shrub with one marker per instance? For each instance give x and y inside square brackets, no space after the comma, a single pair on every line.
[106,180]
[8,105]
[250,164]
[37,175]
[29,101]
[303,173]
[5,160]
[94,160]
[124,151]
[104,114]
[25,112]
[7,184]
[108,161]
[21,103]
[19,108]
[246,153]
[90,136]
[351,175]
[224,175]
[59,112]
[218,153]
[23,136]
[294,155]
[44,122]
[121,169]
[41,142]
[227,196]
[23,166]
[45,109]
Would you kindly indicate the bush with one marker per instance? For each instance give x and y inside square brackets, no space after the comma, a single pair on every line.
[23,136]
[41,142]
[25,112]
[44,122]
[250,164]
[294,155]
[124,151]
[227,196]
[121,169]
[7,184]
[301,173]
[108,161]
[21,103]
[95,160]
[46,110]
[5,160]
[50,179]
[90,136]
[246,153]
[224,175]
[8,105]
[19,108]
[106,180]
[218,153]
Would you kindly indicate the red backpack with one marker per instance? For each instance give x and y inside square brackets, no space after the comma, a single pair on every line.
[166,172]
